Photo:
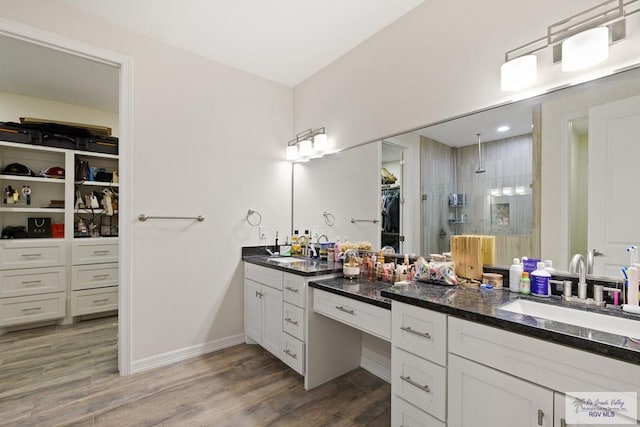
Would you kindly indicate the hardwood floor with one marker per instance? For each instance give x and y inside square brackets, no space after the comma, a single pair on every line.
[68,376]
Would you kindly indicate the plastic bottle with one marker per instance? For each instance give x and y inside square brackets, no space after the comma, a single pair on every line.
[525,284]
[515,274]
[548,266]
[540,281]
[336,250]
[632,291]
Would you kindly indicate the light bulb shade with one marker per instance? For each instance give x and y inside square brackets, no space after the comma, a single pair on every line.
[306,148]
[320,143]
[292,152]
[585,49]
[519,73]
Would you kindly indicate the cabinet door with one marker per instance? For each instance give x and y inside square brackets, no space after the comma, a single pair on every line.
[483,397]
[272,320]
[252,310]
[559,412]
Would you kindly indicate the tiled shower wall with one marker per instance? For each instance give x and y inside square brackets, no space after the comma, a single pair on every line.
[445,170]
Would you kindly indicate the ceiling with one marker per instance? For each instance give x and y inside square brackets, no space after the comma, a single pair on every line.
[281,40]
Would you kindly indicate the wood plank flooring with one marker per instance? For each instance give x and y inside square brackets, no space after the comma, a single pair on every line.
[63,376]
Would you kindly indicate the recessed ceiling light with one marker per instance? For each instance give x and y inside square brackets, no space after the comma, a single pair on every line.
[503,128]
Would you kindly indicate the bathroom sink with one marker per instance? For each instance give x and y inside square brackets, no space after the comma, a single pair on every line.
[596,321]
[286,260]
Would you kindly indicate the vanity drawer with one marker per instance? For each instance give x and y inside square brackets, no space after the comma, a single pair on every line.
[15,283]
[366,317]
[94,276]
[31,254]
[405,414]
[293,353]
[293,320]
[420,331]
[264,275]
[419,382]
[94,252]
[94,301]
[32,308]
[294,289]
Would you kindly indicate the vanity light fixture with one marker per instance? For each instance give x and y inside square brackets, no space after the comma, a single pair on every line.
[307,144]
[579,41]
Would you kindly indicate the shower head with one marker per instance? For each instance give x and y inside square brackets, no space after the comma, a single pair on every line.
[480,168]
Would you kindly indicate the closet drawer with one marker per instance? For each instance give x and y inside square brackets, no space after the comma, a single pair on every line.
[294,289]
[264,275]
[420,331]
[293,353]
[366,317]
[293,320]
[15,283]
[31,254]
[404,414]
[32,308]
[94,301]
[419,382]
[92,252]
[94,276]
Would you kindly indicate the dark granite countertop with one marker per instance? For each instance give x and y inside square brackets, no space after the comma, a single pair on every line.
[483,306]
[359,289]
[300,266]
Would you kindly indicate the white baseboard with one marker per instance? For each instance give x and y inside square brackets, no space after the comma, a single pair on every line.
[185,353]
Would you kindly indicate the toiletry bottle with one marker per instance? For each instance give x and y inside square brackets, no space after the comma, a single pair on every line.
[295,245]
[525,284]
[336,250]
[515,274]
[548,266]
[632,290]
[540,281]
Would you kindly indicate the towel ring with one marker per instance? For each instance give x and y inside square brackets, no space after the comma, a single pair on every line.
[251,213]
[329,219]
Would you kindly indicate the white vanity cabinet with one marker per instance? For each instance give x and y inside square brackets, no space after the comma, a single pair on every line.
[500,378]
[480,396]
[418,366]
[263,307]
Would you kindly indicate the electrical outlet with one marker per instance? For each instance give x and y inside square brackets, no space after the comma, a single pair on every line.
[262,233]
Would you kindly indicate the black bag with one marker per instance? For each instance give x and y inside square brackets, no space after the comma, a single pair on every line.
[82,170]
[14,232]
[38,227]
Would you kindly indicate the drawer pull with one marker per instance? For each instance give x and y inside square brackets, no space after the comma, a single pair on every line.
[31,255]
[563,422]
[421,334]
[289,288]
[415,384]
[102,301]
[293,322]
[33,310]
[288,353]
[100,276]
[102,252]
[540,416]
[341,308]
[31,283]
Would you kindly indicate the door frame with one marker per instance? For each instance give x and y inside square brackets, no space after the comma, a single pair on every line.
[72,46]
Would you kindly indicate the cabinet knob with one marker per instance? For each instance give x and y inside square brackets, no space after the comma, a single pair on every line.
[540,416]
[563,422]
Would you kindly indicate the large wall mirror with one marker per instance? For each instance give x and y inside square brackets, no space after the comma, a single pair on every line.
[549,176]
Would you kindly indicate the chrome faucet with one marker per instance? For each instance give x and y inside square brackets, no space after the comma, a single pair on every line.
[304,245]
[578,265]
[320,237]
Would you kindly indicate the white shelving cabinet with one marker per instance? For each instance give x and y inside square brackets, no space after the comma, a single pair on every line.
[44,279]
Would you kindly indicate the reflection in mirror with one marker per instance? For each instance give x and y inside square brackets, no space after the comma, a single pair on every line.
[561,180]
[391,203]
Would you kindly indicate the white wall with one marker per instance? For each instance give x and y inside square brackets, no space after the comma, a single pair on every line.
[208,139]
[13,106]
[438,61]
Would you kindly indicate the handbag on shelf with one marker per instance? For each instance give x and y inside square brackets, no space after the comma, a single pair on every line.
[39,227]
